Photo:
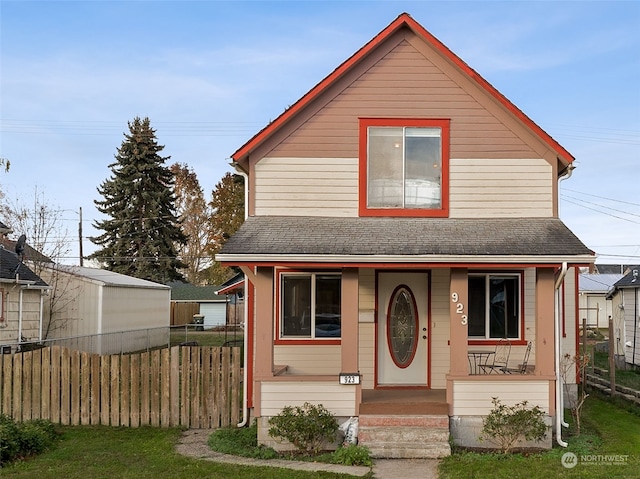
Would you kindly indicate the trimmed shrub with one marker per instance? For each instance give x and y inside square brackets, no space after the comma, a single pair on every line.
[505,426]
[18,440]
[308,427]
[9,440]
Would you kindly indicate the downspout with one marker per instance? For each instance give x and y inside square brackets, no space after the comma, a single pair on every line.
[635,327]
[245,309]
[20,315]
[564,175]
[559,393]
[41,314]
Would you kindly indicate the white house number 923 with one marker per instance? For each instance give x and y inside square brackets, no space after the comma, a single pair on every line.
[459,308]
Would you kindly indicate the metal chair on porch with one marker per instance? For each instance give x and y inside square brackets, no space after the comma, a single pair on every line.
[500,358]
[522,368]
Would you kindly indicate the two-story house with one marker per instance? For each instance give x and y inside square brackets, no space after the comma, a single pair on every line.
[402,219]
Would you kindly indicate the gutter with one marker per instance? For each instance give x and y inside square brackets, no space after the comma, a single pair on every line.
[445,259]
[559,386]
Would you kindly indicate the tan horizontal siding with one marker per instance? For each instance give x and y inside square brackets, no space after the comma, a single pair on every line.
[473,398]
[337,398]
[367,293]
[500,188]
[366,354]
[309,359]
[405,83]
[307,186]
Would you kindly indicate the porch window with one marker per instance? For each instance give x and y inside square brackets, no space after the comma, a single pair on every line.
[405,167]
[494,306]
[310,305]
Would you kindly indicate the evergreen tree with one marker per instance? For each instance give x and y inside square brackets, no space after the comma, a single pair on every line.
[140,235]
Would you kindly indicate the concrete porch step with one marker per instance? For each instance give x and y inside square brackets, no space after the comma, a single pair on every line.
[405,436]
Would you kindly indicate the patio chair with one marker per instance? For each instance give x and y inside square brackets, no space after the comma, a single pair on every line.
[500,362]
[522,369]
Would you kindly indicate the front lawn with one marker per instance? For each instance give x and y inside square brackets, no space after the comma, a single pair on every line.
[608,433]
[100,452]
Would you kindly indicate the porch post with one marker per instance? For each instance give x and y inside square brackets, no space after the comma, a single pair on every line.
[349,345]
[349,320]
[545,311]
[264,323]
[545,331]
[458,322]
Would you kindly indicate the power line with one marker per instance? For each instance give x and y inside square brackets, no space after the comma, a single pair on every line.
[602,212]
[599,205]
[601,197]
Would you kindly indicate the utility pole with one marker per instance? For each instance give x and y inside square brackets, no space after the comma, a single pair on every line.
[80,237]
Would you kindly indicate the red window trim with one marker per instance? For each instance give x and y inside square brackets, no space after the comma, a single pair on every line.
[296,341]
[521,340]
[363,210]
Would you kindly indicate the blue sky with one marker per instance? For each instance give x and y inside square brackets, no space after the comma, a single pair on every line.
[210,74]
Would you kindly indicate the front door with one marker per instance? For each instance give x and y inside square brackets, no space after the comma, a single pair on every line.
[403,329]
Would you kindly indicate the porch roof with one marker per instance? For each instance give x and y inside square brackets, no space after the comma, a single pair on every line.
[381,239]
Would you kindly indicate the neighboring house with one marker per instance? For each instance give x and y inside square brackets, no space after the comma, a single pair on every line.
[211,305]
[401,215]
[625,296]
[4,230]
[30,255]
[113,312]
[594,305]
[620,269]
[21,301]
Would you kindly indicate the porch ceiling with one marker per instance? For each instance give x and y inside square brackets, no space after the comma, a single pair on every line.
[263,238]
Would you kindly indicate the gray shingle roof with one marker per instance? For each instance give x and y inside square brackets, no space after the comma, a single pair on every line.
[189,292]
[631,279]
[10,265]
[311,235]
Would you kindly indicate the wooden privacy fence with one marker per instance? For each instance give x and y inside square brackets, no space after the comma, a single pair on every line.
[182,313]
[196,387]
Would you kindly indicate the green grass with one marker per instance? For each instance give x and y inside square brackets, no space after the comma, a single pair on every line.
[241,442]
[244,442]
[204,338]
[628,377]
[606,430]
[128,453]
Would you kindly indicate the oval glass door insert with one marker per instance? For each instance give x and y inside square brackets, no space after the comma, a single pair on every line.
[402,326]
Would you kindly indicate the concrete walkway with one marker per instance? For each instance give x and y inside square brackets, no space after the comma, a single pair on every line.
[193,443]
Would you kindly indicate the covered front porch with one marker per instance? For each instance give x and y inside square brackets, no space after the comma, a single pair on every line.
[446,395]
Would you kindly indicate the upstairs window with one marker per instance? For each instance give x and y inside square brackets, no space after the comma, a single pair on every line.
[310,306]
[404,167]
[494,306]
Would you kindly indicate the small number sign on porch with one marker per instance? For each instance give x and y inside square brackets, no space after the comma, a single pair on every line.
[349,378]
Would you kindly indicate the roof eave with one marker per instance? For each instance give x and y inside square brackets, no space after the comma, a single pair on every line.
[404,259]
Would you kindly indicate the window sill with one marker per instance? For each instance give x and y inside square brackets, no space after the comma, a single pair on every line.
[494,342]
[307,342]
[404,212]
